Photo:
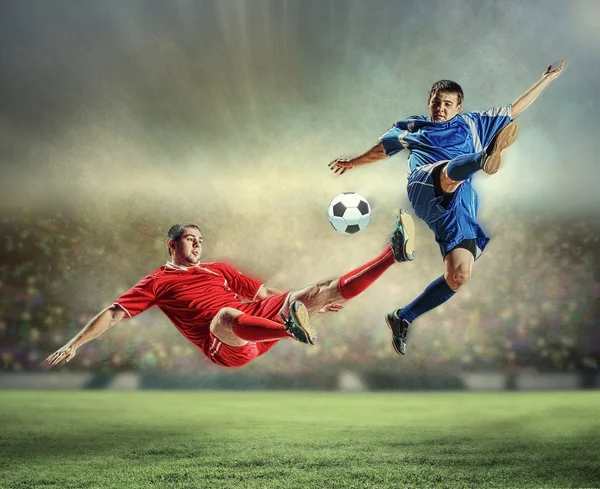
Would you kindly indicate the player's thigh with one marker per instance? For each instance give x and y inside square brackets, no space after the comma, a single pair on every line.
[222,327]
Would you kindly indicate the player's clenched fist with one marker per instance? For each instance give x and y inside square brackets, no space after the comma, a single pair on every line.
[340,165]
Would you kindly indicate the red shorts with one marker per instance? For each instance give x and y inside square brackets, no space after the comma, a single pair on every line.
[238,356]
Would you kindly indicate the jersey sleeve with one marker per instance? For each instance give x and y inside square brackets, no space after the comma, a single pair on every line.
[392,140]
[487,123]
[242,285]
[137,299]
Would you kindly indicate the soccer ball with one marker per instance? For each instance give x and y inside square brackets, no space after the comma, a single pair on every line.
[349,213]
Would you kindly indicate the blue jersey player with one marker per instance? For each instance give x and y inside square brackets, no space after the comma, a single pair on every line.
[446,149]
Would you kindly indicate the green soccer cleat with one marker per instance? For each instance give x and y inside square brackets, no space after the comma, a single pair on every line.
[402,240]
[399,327]
[297,324]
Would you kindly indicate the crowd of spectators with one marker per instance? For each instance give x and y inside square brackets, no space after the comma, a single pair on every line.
[530,305]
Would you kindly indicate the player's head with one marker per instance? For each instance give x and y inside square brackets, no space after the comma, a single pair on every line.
[184,242]
[445,100]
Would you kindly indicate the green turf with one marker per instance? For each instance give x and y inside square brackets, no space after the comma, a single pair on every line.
[213,440]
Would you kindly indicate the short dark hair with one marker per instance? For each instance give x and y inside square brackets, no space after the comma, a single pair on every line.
[176,232]
[447,86]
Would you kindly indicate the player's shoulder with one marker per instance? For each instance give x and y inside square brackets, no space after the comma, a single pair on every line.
[227,269]
[163,271]
[159,272]
[216,266]
[502,111]
[468,113]
[147,281]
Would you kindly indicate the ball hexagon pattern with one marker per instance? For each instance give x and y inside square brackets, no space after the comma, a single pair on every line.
[349,213]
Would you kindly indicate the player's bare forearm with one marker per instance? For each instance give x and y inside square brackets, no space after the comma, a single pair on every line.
[376,153]
[101,323]
[373,154]
[525,100]
[98,325]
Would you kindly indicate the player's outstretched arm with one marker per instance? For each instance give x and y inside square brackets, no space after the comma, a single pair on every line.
[342,165]
[521,103]
[102,322]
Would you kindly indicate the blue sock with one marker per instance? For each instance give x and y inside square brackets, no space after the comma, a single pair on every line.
[462,167]
[436,293]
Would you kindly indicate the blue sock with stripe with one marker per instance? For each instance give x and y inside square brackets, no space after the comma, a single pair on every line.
[462,167]
[436,293]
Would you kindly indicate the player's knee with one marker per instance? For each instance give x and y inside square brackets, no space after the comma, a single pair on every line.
[457,278]
[326,284]
[447,183]
[224,318]
[320,288]
[317,295]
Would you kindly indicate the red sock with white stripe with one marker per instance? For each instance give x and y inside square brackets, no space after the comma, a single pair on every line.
[253,328]
[357,281]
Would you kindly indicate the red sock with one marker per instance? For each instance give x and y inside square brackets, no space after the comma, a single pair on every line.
[356,281]
[252,328]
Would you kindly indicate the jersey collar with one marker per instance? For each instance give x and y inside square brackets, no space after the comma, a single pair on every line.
[180,267]
[447,123]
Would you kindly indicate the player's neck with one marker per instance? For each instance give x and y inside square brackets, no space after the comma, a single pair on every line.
[182,266]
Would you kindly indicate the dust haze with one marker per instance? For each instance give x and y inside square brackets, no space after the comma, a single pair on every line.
[227,113]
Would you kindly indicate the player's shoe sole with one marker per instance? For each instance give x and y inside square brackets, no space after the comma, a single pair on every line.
[402,240]
[399,328]
[297,324]
[502,140]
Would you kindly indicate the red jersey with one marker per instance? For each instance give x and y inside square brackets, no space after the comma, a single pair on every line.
[190,297]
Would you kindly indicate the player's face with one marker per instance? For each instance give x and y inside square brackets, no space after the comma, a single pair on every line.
[443,106]
[188,249]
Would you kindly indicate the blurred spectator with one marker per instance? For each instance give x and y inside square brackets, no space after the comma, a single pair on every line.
[57,268]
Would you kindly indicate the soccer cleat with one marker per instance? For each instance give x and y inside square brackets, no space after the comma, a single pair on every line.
[402,240]
[399,327]
[502,140]
[297,324]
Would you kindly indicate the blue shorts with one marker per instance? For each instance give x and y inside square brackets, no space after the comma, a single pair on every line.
[450,225]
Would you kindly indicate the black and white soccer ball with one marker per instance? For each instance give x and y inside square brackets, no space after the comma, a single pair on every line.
[349,213]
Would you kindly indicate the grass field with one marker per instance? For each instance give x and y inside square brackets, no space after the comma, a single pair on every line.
[216,439]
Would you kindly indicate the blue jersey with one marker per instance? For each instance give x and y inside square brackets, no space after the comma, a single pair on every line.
[429,142]
[433,143]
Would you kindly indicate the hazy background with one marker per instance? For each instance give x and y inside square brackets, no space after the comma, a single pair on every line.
[118,119]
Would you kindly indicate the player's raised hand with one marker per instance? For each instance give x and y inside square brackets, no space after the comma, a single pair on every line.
[553,71]
[340,165]
[66,353]
[333,307]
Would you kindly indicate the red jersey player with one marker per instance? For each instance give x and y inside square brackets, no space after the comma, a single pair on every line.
[231,317]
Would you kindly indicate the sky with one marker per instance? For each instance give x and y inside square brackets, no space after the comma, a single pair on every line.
[103,100]
[227,113]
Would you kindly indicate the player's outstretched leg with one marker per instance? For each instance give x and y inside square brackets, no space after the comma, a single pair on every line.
[402,240]
[297,324]
[355,282]
[502,140]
